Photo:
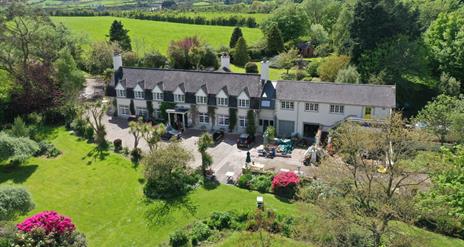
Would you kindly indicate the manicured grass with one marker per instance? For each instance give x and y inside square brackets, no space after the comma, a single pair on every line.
[274,74]
[147,35]
[101,192]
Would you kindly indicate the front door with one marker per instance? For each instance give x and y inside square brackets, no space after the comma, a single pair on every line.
[367,112]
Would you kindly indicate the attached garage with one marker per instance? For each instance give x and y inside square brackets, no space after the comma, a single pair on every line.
[286,128]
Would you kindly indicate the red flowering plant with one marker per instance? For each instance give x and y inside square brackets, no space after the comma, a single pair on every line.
[50,227]
[285,184]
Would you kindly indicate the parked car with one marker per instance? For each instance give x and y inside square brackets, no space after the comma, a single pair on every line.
[170,133]
[218,136]
[245,140]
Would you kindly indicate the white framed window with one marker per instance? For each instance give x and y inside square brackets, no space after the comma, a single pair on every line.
[243,121]
[139,94]
[204,118]
[244,103]
[202,100]
[124,110]
[222,101]
[180,98]
[287,105]
[337,109]
[120,93]
[158,96]
[223,120]
[141,111]
[312,107]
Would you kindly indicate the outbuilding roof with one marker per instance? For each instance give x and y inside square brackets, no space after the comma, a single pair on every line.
[192,81]
[337,93]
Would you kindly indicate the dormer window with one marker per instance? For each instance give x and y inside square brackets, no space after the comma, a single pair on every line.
[244,103]
[158,96]
[202,100]
[179,98]
[120,93]
[222,101]
[139,94]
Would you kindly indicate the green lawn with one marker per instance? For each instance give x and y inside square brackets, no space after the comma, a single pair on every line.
[147,35]
[274,74]
[104,197]
[102,193]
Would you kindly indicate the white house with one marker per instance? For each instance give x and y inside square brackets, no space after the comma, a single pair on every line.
[206,99]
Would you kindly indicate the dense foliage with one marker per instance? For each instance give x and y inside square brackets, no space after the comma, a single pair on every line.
[167,173]
[14,201]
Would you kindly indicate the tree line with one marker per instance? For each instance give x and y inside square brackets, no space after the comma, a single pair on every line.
[166,17]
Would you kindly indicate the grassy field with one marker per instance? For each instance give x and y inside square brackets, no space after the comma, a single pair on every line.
[148,35]
[274,74]
[102,193]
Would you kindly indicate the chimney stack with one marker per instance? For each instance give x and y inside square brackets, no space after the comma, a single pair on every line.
[225,60]
[117,61]
[265,71]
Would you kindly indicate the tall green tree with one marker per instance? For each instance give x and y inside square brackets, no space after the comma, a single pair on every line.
[376,20]
[291,20]
[204,142]
[241,56]
[445,40]
[251,123]
[274,41]
[236,34]
[30,45]
[286,60]
[70,77]
[120,35]
[438,115]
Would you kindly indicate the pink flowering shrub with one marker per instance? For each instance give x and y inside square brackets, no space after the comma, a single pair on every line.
[49,221]
[285,184]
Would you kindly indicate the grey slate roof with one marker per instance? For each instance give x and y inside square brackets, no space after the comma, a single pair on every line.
[337,93]
[192,81]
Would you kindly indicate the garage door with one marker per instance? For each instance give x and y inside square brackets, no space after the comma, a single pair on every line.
[286,128]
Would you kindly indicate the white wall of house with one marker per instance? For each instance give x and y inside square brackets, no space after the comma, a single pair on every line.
[323,116]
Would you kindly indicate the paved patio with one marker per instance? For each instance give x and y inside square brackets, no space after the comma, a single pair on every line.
[226,156]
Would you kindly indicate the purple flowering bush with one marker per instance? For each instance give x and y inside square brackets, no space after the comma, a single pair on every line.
[50,221]
[51,228]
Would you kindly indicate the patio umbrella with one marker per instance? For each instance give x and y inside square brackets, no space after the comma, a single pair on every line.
[248,158]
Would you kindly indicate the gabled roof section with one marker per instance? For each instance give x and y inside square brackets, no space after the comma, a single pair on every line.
[337,93]
[193,80]
[224,89]
[204,88]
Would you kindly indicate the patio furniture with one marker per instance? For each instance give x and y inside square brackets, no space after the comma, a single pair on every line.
[230,177]
[260,202]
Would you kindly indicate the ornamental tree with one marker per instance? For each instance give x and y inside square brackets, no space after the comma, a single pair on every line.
[285,184]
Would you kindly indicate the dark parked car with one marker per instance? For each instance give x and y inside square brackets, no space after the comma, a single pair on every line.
[218,136]
[170,133]
[245,140]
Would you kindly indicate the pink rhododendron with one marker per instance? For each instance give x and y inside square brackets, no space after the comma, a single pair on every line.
[284,179]
[50,221]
